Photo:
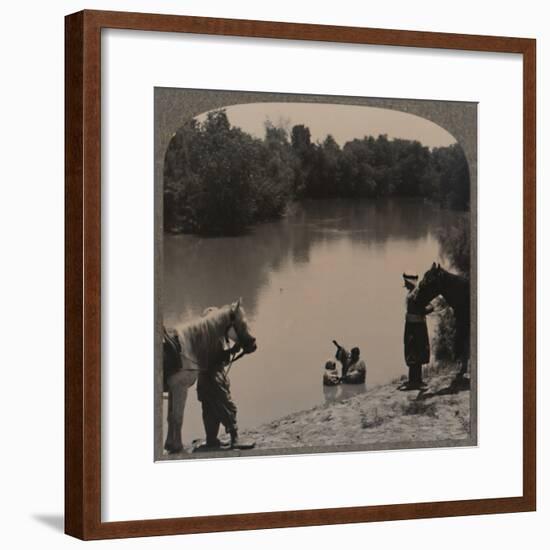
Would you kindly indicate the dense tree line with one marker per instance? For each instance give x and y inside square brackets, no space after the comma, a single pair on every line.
[220,180]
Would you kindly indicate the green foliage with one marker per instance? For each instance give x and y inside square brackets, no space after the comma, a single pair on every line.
[454,242]
[218,180]
[444,335]
[453,189]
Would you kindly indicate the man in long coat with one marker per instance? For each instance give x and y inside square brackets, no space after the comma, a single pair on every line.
[416,340]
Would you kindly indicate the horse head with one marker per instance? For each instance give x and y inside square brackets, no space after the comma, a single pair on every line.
[431,284]
[238,329]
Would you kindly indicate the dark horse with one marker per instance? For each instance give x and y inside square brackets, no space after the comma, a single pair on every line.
[455,290]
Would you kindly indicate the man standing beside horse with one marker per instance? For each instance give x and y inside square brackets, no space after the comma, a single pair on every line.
[213,386]
[218,407]
[416,340]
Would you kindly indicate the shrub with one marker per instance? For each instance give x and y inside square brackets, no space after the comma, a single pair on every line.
[454,242]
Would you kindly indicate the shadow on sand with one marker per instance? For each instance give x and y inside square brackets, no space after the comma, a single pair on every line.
[457,385]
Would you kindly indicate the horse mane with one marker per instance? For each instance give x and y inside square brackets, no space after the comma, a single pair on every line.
[204,335]
[456,276]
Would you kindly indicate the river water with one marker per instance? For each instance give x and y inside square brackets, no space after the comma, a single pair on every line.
[330,270]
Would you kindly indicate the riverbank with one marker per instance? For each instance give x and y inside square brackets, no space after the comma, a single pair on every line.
[381,415]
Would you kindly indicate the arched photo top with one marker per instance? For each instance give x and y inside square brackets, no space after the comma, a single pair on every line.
[456,120]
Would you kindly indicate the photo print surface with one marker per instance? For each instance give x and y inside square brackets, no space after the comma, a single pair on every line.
[315,274]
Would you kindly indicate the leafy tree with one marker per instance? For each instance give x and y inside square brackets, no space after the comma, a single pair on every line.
[304,152]
[454,176]
[274,181]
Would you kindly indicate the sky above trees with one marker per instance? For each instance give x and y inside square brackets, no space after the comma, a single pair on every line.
[343,122]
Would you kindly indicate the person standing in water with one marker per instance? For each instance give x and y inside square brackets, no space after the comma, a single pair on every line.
[416,339]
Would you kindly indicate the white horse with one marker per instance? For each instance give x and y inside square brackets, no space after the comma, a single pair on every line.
[200,341]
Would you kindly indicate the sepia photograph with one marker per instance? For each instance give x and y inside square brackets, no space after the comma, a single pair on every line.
[315,274]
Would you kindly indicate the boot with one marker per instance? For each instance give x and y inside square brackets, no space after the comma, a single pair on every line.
[236,443]
[213,443]
[415,377]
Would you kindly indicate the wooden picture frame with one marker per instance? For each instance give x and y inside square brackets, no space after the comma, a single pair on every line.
[83,274]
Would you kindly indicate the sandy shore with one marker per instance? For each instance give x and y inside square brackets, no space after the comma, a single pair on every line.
[383,417]
[383,414]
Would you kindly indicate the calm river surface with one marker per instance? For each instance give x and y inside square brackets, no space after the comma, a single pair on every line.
[330,270]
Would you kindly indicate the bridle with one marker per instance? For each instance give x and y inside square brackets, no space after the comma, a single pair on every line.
[238,354]
[424,288]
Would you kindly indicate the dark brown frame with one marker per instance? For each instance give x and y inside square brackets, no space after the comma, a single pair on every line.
[83,274]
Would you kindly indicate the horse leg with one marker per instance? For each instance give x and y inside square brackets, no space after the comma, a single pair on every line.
[173,440]
[168,444]
[177,397]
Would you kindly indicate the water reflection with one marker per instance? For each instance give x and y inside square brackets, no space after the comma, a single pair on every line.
[330,270]
[200,272]
[341,392]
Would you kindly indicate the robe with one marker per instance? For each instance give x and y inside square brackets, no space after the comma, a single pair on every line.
[416,339]
[356,373]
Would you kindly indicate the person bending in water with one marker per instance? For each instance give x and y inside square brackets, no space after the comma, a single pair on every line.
[356,373]
[354,370]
